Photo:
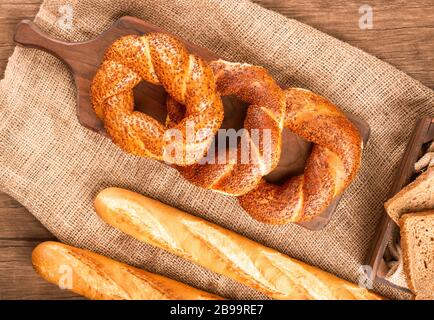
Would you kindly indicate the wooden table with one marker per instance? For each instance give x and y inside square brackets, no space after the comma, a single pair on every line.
[402,35]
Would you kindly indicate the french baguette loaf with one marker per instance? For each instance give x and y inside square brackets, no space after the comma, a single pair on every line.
[98,277]
[219,250]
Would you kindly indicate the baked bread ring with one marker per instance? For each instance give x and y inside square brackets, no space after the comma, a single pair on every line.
[240,170]
[161,60]
[330,168]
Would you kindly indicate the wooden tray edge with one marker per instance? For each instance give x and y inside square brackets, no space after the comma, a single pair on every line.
[423,132]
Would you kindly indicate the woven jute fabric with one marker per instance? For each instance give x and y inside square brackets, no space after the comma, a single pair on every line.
[55,167]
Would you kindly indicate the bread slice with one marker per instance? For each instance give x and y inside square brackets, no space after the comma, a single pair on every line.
[417,196]
[417,242]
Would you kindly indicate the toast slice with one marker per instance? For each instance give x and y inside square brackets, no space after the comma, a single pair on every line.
[417,242]
[417,196]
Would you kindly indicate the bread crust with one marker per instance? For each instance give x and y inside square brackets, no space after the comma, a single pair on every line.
[390,205]
[100,278]
[331,167]
[220,250]
[405,245]
[405,257]
[161,60]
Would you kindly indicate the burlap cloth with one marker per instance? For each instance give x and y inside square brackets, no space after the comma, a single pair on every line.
[55,167]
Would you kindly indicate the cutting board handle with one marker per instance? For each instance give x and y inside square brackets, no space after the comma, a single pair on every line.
[29,34]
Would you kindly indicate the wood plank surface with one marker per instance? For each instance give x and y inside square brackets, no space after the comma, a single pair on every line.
[402,34]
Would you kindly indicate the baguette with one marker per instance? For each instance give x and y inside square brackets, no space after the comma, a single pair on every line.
[98,277]
[219,250]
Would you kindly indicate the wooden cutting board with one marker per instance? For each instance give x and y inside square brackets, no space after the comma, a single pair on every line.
[83,59]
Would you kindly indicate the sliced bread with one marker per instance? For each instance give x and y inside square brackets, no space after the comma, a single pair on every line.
[417,242]
[417,196]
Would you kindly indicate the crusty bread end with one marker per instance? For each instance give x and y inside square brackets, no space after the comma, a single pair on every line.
[417,242]
[417,196]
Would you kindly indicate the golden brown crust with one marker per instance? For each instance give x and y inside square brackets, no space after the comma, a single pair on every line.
[98,277]
[332,165]
[162,60]
[330,168]
[254,85]
[220,250]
